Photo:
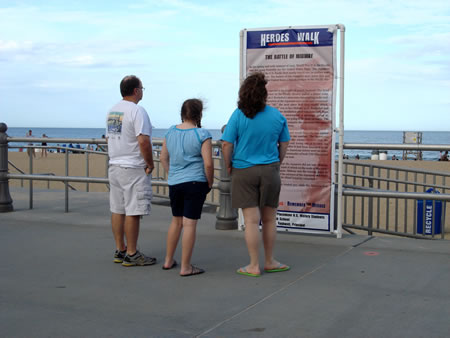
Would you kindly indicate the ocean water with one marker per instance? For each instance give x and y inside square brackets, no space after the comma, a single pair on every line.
[350,136]
[84,132]
[392,137]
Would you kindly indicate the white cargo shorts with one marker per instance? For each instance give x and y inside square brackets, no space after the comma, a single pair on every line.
[130,191]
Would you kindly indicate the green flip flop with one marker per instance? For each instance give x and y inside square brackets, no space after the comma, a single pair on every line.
[243,271]
[279,268]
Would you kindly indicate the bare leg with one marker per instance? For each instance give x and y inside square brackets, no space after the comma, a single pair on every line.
[117,224]
[173,236]
[188,241]
[269,231]
[251,220]
[131,233]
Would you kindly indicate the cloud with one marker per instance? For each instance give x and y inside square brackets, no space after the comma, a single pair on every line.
[397,71]
[424,45]
[419,57]
[11,46]
[81,54]
[371,13]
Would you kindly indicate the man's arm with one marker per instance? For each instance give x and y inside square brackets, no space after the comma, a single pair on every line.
[282,148]
[147,151]
[227,151]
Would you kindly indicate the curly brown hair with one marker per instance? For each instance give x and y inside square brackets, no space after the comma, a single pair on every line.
[192,110]
[253,95]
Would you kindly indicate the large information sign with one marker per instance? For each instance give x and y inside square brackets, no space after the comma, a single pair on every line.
[299,64]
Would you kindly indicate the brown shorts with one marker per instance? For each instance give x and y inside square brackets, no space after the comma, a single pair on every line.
[256,186]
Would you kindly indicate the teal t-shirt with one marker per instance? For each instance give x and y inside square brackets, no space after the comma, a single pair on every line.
[256,140]
[185,154]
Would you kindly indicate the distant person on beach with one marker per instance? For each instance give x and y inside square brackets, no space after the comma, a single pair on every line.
[186,156]
[444,156]
[31,149]
[255,142]
[44,144]
[394,158]
[99,147]
[77,146]
[357,157]
[128,134]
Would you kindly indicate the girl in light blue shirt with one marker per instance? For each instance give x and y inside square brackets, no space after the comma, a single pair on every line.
[186,156]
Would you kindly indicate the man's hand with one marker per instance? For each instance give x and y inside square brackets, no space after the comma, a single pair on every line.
[149,170]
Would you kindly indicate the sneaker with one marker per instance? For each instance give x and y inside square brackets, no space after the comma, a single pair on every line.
[119,256]
[139,259]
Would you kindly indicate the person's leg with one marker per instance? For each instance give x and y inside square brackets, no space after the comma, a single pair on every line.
[131,233]
[194,197]
[133,256]
[173,235]
[251,220]
[188,241]
[117,224]
[270,192]
[269,233]
[135,194]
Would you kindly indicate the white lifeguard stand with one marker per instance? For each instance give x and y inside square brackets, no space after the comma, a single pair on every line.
[412,137]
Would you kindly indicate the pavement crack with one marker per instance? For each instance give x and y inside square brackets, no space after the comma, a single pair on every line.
[364,241]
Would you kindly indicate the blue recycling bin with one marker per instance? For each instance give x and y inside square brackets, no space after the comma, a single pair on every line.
[431,213]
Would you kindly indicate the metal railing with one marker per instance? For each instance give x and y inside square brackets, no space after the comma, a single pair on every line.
[391,199]
[159,182]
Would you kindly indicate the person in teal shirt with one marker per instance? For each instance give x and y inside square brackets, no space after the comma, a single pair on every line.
[255,142]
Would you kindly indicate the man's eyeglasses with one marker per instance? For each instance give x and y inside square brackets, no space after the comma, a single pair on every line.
[143,88]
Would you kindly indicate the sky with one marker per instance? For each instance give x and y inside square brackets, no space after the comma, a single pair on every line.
[61,62]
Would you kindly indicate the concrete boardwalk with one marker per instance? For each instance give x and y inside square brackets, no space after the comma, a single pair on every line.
[57,279]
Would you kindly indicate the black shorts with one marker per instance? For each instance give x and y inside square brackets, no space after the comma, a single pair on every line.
[186,199]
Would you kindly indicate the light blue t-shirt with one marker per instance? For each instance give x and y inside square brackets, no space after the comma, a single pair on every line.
[185,154]
[256,140]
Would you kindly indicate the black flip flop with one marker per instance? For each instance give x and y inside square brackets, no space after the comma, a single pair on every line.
[195,271]
[174,264]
